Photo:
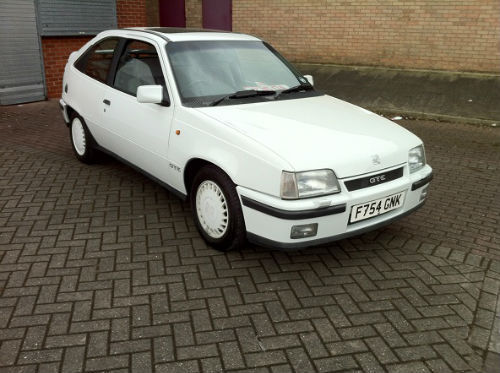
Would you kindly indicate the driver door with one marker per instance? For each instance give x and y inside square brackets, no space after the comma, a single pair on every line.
[141,131]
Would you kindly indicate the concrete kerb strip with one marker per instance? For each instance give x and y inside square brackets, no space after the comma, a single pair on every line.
[412,115]
[448,96]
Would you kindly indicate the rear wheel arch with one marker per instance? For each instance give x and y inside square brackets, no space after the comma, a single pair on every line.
[82,141]
[71,114]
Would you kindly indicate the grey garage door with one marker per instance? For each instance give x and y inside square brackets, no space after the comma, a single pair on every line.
[21,73]
[76,17]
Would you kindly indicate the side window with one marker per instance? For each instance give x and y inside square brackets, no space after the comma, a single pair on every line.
[97,61]
[138,65]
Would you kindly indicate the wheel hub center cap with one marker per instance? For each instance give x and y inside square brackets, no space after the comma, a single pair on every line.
[209,210]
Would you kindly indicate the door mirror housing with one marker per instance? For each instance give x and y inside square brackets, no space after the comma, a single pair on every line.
[152,94]
[310,79]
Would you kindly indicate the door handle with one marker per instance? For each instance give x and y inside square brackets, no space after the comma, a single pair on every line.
[107,102]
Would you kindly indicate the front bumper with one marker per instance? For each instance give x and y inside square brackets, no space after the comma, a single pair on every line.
[269,220]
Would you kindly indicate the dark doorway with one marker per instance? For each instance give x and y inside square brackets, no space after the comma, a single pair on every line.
[217,14]
[172,13]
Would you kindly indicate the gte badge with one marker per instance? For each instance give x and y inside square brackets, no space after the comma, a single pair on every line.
[174,167]
[377,179]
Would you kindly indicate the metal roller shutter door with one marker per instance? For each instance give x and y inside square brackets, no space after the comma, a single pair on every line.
[76,17]
[21,72]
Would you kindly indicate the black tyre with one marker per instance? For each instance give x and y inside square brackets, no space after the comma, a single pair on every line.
[81,140]
[217,209]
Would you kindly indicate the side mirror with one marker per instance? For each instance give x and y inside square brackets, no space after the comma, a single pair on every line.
[152,94]
[310,79]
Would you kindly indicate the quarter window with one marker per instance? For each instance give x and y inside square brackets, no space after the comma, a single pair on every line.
[138,65]
[97,61]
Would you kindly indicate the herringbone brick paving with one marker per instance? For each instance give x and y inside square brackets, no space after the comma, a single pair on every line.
[103,270]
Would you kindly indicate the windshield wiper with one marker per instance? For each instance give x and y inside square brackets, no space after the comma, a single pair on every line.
[297,88]
[241,94]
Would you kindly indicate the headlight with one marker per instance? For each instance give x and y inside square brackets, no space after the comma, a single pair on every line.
[308,184]
[416,158]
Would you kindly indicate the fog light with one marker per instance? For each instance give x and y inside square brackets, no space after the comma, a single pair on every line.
[303,231]
[423,194]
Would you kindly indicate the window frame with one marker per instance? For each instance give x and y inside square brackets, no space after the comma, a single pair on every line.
[114,68]
[85,55]
[119,49]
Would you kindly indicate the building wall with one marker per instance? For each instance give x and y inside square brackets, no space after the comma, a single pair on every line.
[131,13]
[193,13]
[460,35]
[56,50]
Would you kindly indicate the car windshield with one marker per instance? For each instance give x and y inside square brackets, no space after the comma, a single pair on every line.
[205,70]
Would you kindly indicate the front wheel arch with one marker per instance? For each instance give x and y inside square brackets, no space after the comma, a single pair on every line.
[193,166]
[235,235]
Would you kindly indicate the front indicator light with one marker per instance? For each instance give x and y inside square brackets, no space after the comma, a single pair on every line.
[303,231]
[289,186]
[416,158]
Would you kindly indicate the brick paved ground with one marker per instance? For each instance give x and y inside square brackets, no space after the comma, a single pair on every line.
[102,270]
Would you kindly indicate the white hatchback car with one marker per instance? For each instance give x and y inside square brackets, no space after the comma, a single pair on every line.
[224,120]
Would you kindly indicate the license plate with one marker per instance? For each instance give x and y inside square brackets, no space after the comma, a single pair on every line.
[378,207]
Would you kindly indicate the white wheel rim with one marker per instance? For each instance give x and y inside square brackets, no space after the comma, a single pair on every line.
[78,135]
[212,209]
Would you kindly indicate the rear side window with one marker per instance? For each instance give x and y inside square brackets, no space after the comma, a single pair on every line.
[138,65]
[97,61]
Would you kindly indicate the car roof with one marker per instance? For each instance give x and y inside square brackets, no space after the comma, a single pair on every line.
[190,34]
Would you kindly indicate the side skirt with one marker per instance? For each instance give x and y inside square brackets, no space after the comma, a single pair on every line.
[168,187]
